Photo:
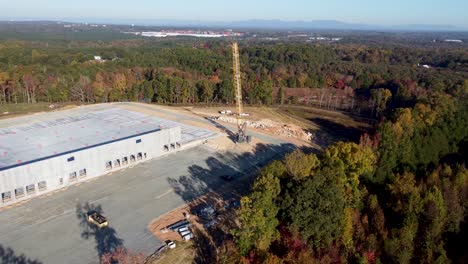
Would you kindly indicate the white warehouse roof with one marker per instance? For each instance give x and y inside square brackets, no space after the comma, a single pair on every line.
[69,132]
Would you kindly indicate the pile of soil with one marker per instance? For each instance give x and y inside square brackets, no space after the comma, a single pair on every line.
[279,129]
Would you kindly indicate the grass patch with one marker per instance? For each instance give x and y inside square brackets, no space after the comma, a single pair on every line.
[335,124]
[183,253]
[310,113]
[10,110]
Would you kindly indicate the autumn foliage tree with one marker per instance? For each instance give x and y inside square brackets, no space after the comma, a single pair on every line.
[397,197]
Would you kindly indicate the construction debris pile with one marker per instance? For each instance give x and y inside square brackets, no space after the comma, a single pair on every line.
[279,129]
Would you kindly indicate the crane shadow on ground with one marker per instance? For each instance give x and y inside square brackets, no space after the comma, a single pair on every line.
[231,135]
[8,256]
[106,238]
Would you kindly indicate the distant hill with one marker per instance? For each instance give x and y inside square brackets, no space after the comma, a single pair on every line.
[338,25]
[270,24]
[279,24]
[286,25]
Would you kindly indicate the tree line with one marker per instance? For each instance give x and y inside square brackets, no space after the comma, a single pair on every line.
[399,196]
[193,72]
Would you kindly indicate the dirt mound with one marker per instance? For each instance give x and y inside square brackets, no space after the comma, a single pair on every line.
[225,144]
[279,129]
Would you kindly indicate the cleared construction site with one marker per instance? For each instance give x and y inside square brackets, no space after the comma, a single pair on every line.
[186,155]
[46,152]
[122,164]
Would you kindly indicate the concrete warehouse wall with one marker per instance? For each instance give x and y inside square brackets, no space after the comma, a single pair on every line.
[58,171]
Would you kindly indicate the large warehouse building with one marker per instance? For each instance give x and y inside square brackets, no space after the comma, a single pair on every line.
[49,154]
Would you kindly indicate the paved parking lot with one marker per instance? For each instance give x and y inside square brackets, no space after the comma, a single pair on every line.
[49,229]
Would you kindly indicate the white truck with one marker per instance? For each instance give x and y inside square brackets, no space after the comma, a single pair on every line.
[97,219]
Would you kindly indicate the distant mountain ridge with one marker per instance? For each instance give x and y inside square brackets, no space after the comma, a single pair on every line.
[298,25]
[267,24]
[327,24]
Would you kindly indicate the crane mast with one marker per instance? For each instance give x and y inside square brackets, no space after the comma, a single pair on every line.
[241,125]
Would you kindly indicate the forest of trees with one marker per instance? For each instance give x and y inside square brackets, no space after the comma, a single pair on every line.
[200,72]
[399,196]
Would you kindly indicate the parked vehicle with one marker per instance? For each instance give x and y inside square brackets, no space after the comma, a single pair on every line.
[183,229]
[225,112]
[177,225]
[97,219]
[170,244]
[207,212]
[188,237]
[184,233]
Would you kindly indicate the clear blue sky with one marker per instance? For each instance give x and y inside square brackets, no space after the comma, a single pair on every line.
[381,12]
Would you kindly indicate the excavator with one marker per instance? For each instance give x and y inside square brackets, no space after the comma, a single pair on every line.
[241,135]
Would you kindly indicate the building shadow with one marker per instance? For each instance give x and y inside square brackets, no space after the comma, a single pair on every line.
[8,256]
[106,238]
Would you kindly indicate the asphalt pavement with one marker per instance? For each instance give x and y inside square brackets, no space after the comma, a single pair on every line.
[50,229]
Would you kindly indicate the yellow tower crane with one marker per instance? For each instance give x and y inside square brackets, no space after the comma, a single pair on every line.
[241,125]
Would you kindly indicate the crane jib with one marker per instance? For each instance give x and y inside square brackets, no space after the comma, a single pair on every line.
[241,136]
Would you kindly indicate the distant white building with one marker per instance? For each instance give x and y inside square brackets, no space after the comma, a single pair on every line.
[454,40]
[98,58]
[163,34]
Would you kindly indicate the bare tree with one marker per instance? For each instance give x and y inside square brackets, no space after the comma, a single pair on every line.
[30,85]
[82,89]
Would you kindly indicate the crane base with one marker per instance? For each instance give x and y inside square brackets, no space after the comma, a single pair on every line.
[244,139]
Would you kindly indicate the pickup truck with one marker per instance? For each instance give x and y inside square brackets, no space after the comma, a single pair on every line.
[97,219]
[187,237]
[170,244]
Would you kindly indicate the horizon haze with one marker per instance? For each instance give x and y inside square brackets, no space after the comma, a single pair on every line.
[361,14]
